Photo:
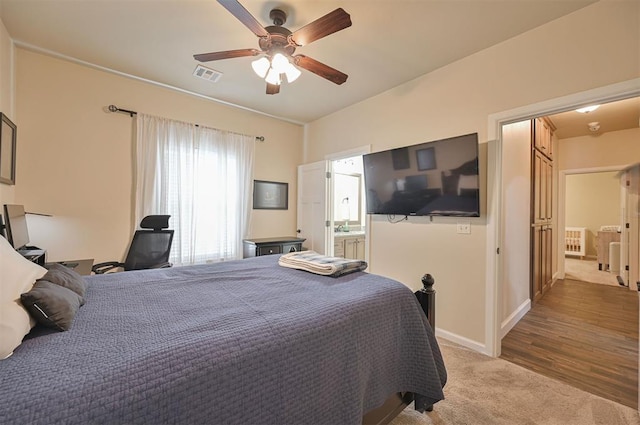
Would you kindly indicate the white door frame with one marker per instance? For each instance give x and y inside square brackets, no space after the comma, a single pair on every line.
[633,218]
[494,290]
[361,150]
[562,193]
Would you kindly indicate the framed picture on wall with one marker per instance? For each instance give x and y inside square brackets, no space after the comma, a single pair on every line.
[400,158]
[7,150]
[426,159]
[270,195]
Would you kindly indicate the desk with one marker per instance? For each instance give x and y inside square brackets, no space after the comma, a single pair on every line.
[34,254]
[82,267]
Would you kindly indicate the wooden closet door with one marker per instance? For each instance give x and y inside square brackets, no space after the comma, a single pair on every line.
[542,137]
[547,258]
[542,182]
[542,209]
[548,190]
[536,263]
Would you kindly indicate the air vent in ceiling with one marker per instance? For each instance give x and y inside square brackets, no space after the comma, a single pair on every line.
[207,73]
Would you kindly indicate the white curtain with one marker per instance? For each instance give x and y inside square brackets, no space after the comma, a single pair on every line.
[203,178]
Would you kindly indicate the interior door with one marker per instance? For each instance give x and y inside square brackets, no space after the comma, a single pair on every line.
[312,206]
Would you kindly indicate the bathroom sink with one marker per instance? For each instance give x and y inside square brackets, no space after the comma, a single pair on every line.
[349,233]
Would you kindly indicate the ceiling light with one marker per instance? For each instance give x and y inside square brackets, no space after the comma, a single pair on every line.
[272,69]
[261,66]
[279,63]
[273,77]
[588,109]
[292,73]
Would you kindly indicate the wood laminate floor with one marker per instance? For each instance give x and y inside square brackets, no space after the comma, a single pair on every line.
[584,334]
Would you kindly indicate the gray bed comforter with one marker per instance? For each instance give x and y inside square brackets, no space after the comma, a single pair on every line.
[242,342]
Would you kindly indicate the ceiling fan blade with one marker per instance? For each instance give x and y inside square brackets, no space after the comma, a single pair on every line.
[320,69]
[228,54]
[322,27]
[273,88]
[244,16]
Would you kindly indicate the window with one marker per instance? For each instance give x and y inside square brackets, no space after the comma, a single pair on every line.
[201,177]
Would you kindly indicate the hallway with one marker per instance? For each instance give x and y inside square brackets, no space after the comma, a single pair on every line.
[583,334]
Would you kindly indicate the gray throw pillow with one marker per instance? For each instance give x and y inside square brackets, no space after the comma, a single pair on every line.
[66,277]
[51,305]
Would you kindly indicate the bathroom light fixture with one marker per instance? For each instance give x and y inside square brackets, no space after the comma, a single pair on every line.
[587,109]
[272,70]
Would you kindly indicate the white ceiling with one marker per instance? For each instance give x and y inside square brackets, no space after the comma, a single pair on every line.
[614,116]
[389,43]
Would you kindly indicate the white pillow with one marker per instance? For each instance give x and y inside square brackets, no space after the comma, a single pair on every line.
[17,275]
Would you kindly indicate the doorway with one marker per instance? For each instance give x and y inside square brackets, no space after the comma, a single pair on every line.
[331,211]
[509,205]
[593,201]
[510,314]
[347,213]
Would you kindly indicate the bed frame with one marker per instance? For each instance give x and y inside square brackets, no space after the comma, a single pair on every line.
[397,402]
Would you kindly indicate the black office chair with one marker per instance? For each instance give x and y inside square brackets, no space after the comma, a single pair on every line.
[149,248]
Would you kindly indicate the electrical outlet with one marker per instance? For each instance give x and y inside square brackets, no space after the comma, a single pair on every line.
[464,228]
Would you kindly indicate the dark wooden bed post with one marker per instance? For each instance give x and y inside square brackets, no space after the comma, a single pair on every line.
[397,402]
[427,298]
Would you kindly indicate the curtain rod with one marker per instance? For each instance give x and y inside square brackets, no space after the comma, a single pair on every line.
[114,108]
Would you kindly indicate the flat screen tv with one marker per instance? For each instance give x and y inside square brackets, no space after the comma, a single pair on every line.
[16,226]
[433,178]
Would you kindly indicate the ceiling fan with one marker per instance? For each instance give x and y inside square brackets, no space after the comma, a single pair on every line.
[277,45]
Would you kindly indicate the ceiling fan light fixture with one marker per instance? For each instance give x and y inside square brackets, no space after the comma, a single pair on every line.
[277,45]
[292,73]
[280,63]
[273,77]
[261,66]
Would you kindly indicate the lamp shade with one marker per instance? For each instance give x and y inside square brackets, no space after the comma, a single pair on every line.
[292,73]
[273,77]
[261,66]
[280,63]
[272,70]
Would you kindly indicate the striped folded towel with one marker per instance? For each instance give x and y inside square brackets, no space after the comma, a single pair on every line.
[316,263]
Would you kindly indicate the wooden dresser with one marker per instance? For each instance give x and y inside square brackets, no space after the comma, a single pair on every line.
[268,246]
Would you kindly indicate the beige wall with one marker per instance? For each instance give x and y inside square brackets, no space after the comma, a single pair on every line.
[592,200]
[75,160]
[6,97]
[613,149]
[516,226]
[593,47]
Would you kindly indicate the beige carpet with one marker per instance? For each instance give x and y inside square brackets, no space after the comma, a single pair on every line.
[485,391]
[587,271]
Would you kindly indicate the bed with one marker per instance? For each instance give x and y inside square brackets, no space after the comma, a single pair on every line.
[243,342]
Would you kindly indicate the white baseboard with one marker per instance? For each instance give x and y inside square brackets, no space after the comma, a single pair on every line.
[505,327]
[514,318]
[465,342]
